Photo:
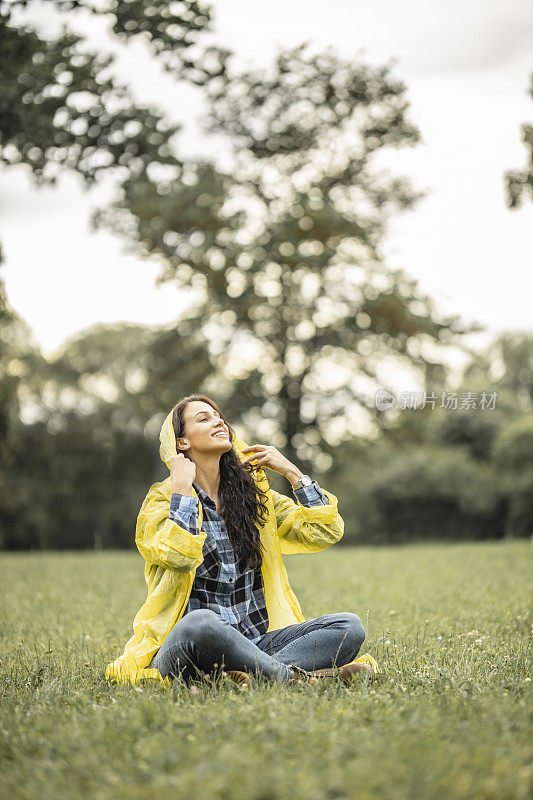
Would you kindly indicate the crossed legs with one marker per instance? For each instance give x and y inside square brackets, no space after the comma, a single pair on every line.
[201,639]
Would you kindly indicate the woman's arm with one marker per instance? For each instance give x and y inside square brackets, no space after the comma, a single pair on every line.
[309,526]
[163,541]
[312,524]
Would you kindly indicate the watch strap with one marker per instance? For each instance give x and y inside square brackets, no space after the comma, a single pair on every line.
[305,480]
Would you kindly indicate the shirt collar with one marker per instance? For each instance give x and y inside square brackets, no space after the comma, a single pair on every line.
[204,497]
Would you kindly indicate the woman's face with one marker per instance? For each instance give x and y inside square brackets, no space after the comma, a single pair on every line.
[205,430]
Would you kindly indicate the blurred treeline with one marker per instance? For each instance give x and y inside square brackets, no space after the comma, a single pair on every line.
[294,318]
[75,475]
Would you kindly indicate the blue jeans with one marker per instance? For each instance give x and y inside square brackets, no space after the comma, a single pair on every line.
[201,641]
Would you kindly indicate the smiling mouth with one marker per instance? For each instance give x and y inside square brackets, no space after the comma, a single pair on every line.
[220,435]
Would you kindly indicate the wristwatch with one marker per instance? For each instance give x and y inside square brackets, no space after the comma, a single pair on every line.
[305,480]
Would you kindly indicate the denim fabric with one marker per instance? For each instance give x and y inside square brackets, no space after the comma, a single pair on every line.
[202,641]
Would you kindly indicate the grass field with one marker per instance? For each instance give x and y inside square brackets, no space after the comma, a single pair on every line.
[450,625]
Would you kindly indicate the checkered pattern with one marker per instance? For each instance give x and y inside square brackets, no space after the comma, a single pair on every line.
[219,584]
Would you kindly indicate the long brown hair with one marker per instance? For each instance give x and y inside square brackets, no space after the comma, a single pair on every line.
[242,501]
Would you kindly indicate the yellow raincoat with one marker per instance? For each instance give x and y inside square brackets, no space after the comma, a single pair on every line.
[172,556]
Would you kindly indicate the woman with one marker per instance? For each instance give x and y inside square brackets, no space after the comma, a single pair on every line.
[212,535]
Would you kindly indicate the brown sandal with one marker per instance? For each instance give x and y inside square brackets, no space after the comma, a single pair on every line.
[348,672]
[241,679]
[299,675]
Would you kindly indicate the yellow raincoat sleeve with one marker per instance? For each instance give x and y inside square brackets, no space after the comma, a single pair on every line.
[304,529]
[162,541]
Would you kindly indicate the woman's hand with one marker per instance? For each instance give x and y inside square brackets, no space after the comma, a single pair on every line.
[269,456]
[182,473]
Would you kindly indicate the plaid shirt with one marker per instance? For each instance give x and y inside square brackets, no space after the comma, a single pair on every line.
[219,584]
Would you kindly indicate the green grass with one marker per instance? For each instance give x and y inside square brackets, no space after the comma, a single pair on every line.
[450,717]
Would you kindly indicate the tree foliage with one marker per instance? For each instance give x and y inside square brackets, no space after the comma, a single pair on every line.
[519,182]
[295,310]
[61,108]
[286,244]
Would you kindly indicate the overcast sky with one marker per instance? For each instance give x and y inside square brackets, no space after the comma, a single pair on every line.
[466,64]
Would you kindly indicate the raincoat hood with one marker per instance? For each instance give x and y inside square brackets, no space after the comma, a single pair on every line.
[167,448]
[172,555]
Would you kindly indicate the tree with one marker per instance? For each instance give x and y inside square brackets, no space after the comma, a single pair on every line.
[136,371]
[519,183]
[61,108]
[172,29]
[74,473]
[19,357]
[507,365]
[432,493]
[286,245]
[462,472]
[513,455]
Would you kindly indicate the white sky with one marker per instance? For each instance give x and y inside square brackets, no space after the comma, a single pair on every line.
[466,64]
